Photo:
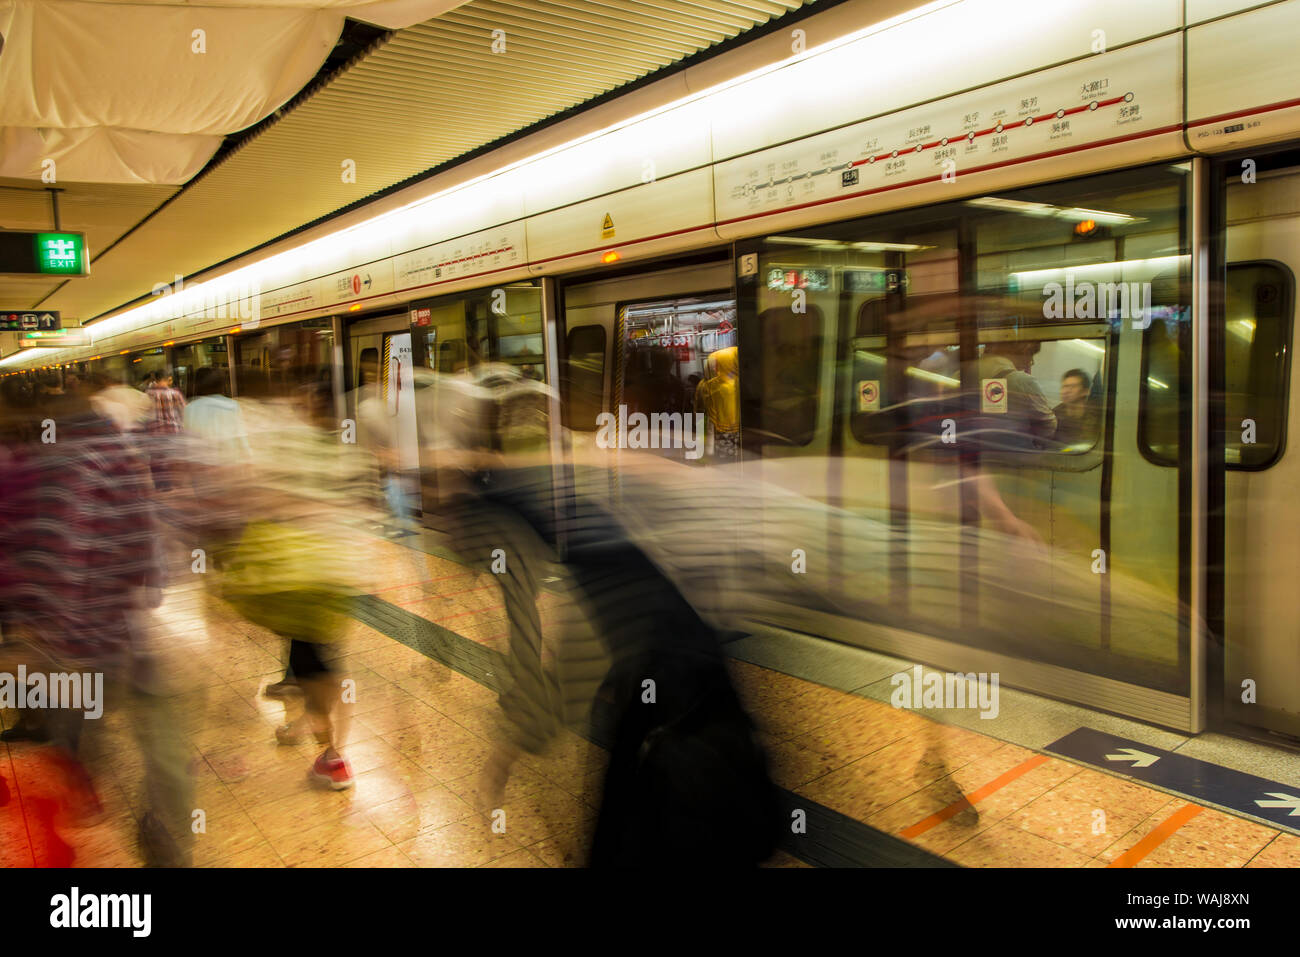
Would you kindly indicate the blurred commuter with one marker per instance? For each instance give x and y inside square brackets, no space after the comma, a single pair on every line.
[1028,412]
[129,408]
[1077,421]
[686,776]
[83,565]
[377,431]
[212,417]
[168,421]
[291,570]
[719,398]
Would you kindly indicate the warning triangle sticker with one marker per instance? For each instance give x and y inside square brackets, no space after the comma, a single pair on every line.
[608,223]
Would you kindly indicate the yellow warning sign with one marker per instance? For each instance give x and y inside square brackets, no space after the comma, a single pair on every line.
[607,227]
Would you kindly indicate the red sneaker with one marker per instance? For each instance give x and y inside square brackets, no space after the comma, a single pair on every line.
[333,773]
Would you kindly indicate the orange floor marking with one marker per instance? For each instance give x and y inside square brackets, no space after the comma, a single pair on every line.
[979,794]
[1157,836]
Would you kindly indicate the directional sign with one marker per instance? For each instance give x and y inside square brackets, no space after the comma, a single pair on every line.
[1199,780]
[20,320]
[52,338]
[1138,759]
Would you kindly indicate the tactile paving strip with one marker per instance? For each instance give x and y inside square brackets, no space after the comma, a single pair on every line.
[831,839]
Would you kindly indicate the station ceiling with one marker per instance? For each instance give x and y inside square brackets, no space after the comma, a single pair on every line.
[416,98]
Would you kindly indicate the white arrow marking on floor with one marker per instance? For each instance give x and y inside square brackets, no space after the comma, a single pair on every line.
[1140,759]
[1283,800]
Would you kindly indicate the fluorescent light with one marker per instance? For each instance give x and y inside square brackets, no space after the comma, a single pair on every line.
[1156,383]
[1156,264]
[931,376]
[843,244]
[1048,211]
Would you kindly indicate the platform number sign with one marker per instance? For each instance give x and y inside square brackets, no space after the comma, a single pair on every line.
[869,395]
[994,398]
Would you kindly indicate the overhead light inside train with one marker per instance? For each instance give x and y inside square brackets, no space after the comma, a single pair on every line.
[1086,269]
[1048,211]
[868,247]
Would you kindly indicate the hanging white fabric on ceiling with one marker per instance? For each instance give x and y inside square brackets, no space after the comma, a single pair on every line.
[144,91]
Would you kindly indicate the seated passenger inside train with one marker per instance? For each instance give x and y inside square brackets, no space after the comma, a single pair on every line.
[1077,418]
[1029,417]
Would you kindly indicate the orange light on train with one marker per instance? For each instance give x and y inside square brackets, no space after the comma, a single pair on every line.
[354,307]
[610,257]
[1085,227]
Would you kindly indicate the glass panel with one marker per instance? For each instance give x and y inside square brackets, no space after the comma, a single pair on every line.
[988,390]
[202,368]
[1258,304]
[1261,549]
[680,359]
[584,379]
[283,358]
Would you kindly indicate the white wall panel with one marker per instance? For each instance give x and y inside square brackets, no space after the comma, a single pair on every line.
[956,48]
[1237,65]
[665,210]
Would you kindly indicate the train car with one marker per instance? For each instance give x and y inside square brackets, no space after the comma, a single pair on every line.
[1027,306]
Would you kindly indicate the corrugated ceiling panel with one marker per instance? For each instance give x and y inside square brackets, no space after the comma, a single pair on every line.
[431,93]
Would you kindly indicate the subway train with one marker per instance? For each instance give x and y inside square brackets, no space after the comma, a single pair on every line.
[1027,307]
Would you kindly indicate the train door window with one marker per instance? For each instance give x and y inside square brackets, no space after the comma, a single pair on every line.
[499,325]
[680,369]
[1041,394]
[202,367]
[1258,313]
[282,358]
[584,380]
[145,365]
[797,297]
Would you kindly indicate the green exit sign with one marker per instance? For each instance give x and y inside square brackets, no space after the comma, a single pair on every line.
[61,254]
[43,254]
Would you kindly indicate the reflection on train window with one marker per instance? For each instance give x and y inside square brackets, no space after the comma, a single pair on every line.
[1031,395]
[1258,313]
[1040,395]
[680,359]
[285,357]
[584,380]
[192,358]
[1160,418]
[144,365]
[487,325]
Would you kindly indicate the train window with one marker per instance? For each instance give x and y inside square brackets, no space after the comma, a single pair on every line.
[193,358]
[583,384]
[503,325]
[1258,306]
[285,357]
[680,359]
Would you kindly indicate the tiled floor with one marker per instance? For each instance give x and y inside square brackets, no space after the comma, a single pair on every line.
[421,733]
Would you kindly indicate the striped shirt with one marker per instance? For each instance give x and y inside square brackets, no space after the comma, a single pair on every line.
[168,410]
